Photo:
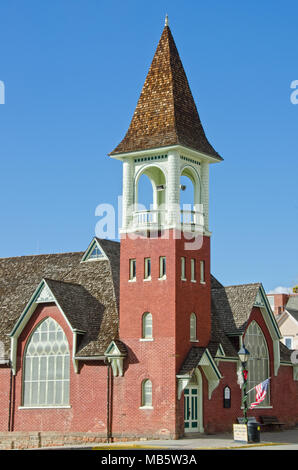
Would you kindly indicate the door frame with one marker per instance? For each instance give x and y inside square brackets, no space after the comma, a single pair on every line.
[199,387]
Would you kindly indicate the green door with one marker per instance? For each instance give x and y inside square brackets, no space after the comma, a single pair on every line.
[191,422]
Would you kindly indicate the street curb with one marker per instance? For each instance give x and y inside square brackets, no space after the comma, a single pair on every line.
[229,447]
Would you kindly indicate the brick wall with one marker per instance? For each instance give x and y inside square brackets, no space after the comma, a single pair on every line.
[170,301]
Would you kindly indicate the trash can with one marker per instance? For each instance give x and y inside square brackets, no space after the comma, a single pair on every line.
[253,432]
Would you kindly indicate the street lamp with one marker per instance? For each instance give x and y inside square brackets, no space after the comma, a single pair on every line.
[243,354]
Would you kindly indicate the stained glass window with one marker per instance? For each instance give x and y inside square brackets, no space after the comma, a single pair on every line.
[46,366]
[258,363]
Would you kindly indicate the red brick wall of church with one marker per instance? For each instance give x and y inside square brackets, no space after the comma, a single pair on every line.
[4,396]
[218,419]
[87,410]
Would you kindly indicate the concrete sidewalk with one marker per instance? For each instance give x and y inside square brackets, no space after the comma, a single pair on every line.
[216,441]
[199,442]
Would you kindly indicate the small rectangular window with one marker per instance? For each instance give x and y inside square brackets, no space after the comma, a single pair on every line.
[183,269]
[288,342]
[147,268]
[193,269]
[202,271]
[162,267]
[132,270]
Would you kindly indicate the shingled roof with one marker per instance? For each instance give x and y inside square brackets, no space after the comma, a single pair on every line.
[233,305]
[166,113]
[88,293]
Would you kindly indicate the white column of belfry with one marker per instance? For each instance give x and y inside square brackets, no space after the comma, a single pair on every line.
[128,192]
[205,193]
[173,189]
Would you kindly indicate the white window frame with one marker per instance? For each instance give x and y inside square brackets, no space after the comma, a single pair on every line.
[183,268]
[147,326]
[162,267]
[132,269]
[193,270]
[285,341]
[147,269]
[258,364]
[46,365]
[193,327]
[146,392]
[202,272]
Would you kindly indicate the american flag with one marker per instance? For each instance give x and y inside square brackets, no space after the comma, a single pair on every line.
[261,390]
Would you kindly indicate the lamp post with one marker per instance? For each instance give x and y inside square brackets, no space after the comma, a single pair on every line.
[243,354]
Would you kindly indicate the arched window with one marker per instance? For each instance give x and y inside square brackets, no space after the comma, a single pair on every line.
[146,393]
[258,363]
[147,326]
[193,327]
[46,366]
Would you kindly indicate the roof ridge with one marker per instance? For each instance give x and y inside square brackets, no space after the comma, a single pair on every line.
[243,285]
[42,254]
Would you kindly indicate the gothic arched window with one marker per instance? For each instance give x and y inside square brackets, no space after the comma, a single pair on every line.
[146,393]
[258,363]
[147,326]
[46,366]
[193,327]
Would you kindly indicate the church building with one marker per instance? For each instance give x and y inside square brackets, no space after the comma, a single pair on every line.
[136,339]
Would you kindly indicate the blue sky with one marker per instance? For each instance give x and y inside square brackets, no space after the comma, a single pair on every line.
[73,71]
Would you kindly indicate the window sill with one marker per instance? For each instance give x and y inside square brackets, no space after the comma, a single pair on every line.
[183,279]
[193,280]
[146,339]
[194,341]
[145,407]
[203,282]
[162,278]
[44,407]
[147,279]
[132,280]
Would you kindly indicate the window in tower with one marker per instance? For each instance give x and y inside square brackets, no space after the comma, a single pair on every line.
[147,269]
[146,400]
[202,272]
[183,263]
[147,326]
[193,327]
[162,267]
[193,269]
[132,270]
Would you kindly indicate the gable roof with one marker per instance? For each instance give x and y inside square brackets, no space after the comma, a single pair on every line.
[233,306]
[292,307]
[166,113]
[88,292]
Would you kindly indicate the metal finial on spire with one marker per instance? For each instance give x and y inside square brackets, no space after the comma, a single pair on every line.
[167,20]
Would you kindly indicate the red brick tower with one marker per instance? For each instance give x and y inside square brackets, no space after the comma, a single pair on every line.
[165,302]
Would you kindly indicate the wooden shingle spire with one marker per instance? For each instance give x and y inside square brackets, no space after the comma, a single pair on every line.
[166,113]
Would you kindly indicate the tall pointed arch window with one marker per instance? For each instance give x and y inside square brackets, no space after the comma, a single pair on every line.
[193,327]
[146,393]
[258,363]
[46,366]
[147,326]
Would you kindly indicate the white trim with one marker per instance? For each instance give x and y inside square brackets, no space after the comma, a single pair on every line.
[146,408]
[89,250]
[43,407]
[180,148]
[25,317]
[289,315]
[146,339]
